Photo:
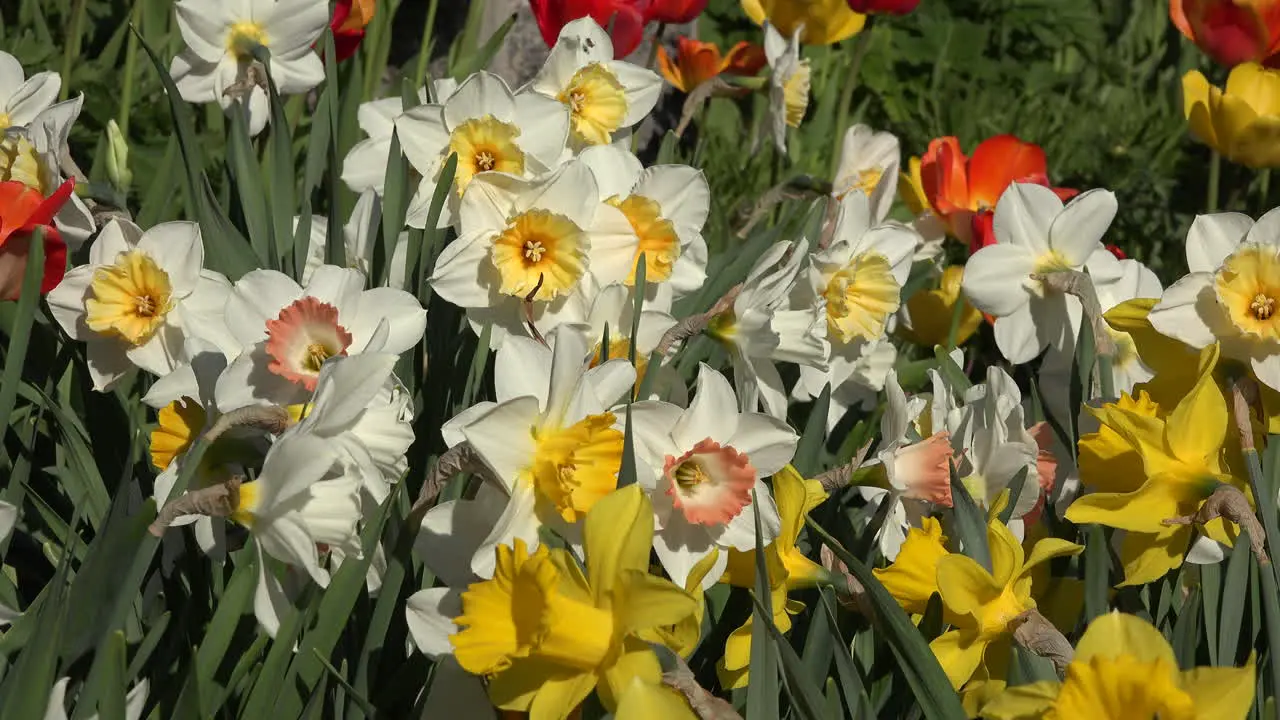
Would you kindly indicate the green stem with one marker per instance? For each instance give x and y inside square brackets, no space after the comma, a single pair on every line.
[424,56]
[377,45]
[860,48]
[1264,191]
[953,331]
[130,62]
[1215,177]
[72,52]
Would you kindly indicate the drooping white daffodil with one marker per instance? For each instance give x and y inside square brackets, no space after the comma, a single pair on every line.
[364,414]
[550,438]
[1036,235]
[1231,295]
[299,500]
[8,518]
[657,211]
[699,466]
[605,97]
[22,98]
[217,64]
[519,239]
[613,307]
[135,701]
[360,240]
[287,331]
[869,163]
[760,329]
[490,129]
[139,298]
[32,155]
[788,83]
[365,166]
[859,278]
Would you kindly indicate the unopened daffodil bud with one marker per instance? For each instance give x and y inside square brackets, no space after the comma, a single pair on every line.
[118,158]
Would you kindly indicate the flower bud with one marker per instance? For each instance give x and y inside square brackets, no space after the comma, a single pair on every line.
[118,158]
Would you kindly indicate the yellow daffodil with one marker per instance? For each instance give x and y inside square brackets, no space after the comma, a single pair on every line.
[1242,122]
[788,570]
[824,21]
[1182,461]
[546,635]
[980,605]
[1124,668]
[930,312]
[913,576]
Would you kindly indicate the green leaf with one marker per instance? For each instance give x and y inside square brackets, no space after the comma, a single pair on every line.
[806,698]
[395,205]
[1097,573]
[420,266]
[105,687]
[762,685]
[808,456]
[1235,588]
[929,684]
[479,59]
[220,632]
[283,174]
[246,176]
[365,706]
[852,685]
[20,332]
[951,372]
[970,523]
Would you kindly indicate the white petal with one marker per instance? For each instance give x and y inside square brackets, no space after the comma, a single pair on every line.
[544,127]
[995,278]
[405,316]
[682,545]
[483,93]
[345,388]
[503,437]
[768,442]
[1213,237]
[295,25]
[615,170]
[430,615]
[204,28]
[519,520]
[1078,230]
[712,414]
[740,532]
[641,86]
[257,297]
[177,248]
[1266,365]
[37,93]
[294,464]
[1017,336]
[452,532]
[1024,215]
[581,42]
[682,192]
[269,601]
[1184,310]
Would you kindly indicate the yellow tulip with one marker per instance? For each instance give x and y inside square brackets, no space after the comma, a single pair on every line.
[931,311]
[1124,668]
[1242,123]
[825,21]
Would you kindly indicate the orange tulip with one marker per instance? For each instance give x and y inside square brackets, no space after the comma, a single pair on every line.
[697,62]
[22,210]
[1231,31]
[963,191]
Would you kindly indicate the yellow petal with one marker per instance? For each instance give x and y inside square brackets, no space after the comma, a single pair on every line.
[959,652]
[617,535]
[544,690]
[1117,633]
[1147,557]
[1023,702]
[636,663]
[1231,115]
[1006,553]
[1197,427]
[1256,86]
[1221,692]
[643,701]
[1143,510]
[754,11]
[643,601]
[911,188]
[732,668]
[795,497]
[913,577]
[965,585]
[1195,98]
[1257,145]
[824,21]
[1050,548]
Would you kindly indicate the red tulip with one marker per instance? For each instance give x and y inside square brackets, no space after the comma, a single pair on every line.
[1231,31]
[884,7]
[22,210]
[625,19]
[676,11]
[348,23]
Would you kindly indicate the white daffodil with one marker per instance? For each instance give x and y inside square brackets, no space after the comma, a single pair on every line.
[605,97]
[760,329]
[298,501]
[519,239]
[657,211]
[364,414]
[217,64]
[859,279]
[490,130]
[186,409]
[288,331]
[549,439]
[1036,235]
[365,166]
[1231,294]
[613,307]
[788,83]
[360,239]
[22,98]
[869,163]
[32,155]
[135,701]
[699,466]
[139,298]
[8,518]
